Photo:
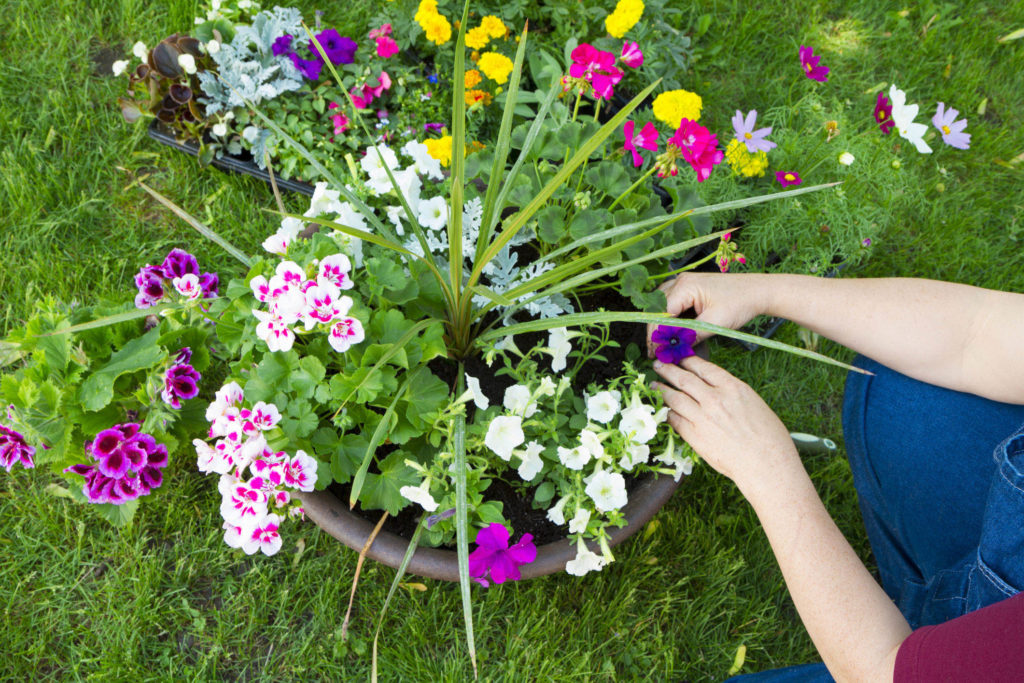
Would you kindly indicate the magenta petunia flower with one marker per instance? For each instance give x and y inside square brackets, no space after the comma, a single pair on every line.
[13,448]
[674,343]
[883,113]
[126,465]
[631,55]
[810,62]
[952,130]
[386,47]
[787,178]
[745,133]
[494,557]
[647,139]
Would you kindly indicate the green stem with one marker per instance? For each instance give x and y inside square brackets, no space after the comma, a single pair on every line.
[688,266]
[632,187]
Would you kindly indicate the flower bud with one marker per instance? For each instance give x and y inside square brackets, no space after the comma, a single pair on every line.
[187,62]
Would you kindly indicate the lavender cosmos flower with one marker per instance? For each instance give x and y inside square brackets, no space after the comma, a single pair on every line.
[883,113]
[493,556]
[14,449]
[810,63]
[282,45]
[952,130]
[181,382]
[674,343]
[745,133]
[338,48]
[126,465]
[787,178]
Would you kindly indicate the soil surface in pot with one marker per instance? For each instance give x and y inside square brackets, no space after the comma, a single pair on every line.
[517,507]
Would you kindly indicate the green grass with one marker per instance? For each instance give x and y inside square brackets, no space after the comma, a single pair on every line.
[166,599]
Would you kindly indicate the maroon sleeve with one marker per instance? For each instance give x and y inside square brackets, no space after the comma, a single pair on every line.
[984,645]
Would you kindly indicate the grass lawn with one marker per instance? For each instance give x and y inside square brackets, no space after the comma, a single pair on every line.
[165,599]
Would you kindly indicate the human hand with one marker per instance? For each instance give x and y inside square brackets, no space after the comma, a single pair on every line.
[726,300]
[726,423]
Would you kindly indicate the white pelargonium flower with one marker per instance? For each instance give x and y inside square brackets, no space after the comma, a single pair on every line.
[433,213]
[479,398]
[559,347]
[420,495]
[903,116]
[504,434]
[574,458]
[586,561]
[531,461]
[119,67]
[140,50]
[187,62]
[603,406]
[578,524]
[607,490]
[638,423]
[517,401]
[556,515]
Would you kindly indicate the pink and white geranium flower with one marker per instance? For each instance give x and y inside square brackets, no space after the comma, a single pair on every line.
[344,333]
[263,536]
[335,269]
[188,286]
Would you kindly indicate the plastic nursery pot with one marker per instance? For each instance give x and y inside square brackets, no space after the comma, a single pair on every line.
[333,516]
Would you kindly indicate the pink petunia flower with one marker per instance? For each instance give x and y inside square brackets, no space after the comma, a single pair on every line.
[386,47]
[494,557]
[952,130]
[745,133]
[787,178]
[647,139]
[339,120]
[631,55]
[883,113]
[810,62]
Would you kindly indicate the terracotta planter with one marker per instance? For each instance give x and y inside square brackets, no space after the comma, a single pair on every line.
[333,516]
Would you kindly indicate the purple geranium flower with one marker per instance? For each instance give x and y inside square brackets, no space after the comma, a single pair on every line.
[494,557]
[338,48]
[282,45]
[745,133]
[810,63]
[184,355]
[14,449]
[210,284]
[151,287]
[181,382]
[127,465]
[674,343]
[952,130]
[180,263]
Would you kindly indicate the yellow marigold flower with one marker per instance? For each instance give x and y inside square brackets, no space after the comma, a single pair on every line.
[675,105]
[477,38]
[495,66]
[494,26]
[440,149]
[743,162]
[438,30]
[426,9]
[472,78]
[625,16]
[474,96]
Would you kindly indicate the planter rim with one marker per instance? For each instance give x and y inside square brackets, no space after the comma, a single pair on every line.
[333,516]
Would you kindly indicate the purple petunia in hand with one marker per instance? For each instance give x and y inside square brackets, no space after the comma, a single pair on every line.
[674,343]
[811,67]
[494,557]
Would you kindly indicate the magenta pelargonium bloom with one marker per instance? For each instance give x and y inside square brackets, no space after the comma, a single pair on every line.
[493,557]
[787,178]
[673,343]
[755,140]
[597,68]
[698,146]
[952,130]
[126,464]
[647,139]
[14,449]
[631,55]
[181,382]
[156,282]
[811,64]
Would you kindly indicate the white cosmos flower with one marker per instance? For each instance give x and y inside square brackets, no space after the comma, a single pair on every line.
[188,63]
[559,347]
[503,434]
[574,458]
[119,67]
[420,495]
[637,422]
[557,513]
[903,116]
[592,443]
[479,398]
[517,401]
[607,490]
[532,463]
[140,50]
[603,406]
[578,524]
[636,454]
[433,213]
[586,561]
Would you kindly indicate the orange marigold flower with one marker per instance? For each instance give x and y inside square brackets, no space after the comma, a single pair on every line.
[472,78]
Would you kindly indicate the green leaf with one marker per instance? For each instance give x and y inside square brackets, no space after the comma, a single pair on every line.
[490,512]
[10,353]
[305,379]
[608,177]
[399,573]
[381,491]
[139,354]
[589,222]
[300,421]
[131,314]
[118,515]
[544,493]
[551,223]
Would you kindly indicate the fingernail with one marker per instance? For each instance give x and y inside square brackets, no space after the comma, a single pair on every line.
[655,385]
[657,365]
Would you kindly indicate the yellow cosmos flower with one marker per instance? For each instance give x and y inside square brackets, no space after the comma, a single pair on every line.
[743,162]
[494,26]
[440,149]
[472,78]
[675,105]
[477,38]
[495,66]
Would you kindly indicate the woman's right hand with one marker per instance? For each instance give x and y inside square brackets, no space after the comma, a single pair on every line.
[727,300]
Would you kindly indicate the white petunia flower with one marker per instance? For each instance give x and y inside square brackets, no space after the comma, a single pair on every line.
[556,515]
[420,495]
[372,161]
[212,47]
[903,116]
[250,133]
[433,213]
[673,457]
[324,201]
[607,490]
[592,443]
[603,406]
[422,161]
[636,454]
[503,434]
[532,463]
[188,63]
[578,524]
[637,422]
[479,398]
[119,67]
[140,50]
[547,386]
[517,401]
[586,561]
[395,215]
[574,458]
[410,185]
[559,347]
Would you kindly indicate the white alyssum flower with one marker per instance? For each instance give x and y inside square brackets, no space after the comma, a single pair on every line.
[140,50]
[187,62]
[479,398]
[433,213]
[556,515]
[586,561]
[638,423]
[504,434]
[574,458]
[607,490]
[517,401]
[119,67]
[578,524]
[559,347]
[903,116]
[420,495]
[846,159]
[592,443]
[531,461]
[603,406]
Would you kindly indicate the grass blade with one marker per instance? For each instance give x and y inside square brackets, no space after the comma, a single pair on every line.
[200,228]
[133,314]
[359,569]
[462,520]
[458,190]
[399,573]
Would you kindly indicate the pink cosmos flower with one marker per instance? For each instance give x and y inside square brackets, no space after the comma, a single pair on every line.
[951,129]
[631,55]
[647,139]
[745,133]
[787,178]
[493,555]
[810,63]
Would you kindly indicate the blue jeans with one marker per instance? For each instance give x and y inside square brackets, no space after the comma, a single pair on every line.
[944,514]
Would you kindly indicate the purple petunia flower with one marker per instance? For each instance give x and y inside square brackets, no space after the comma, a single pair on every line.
[180,382]
[338,48]
[883,113]
[14,449]
[309,68]
[787,178]
[952,130]
[674,343]
[493,555]
[810,63]
[745,133]
[282,45]
[127,465]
